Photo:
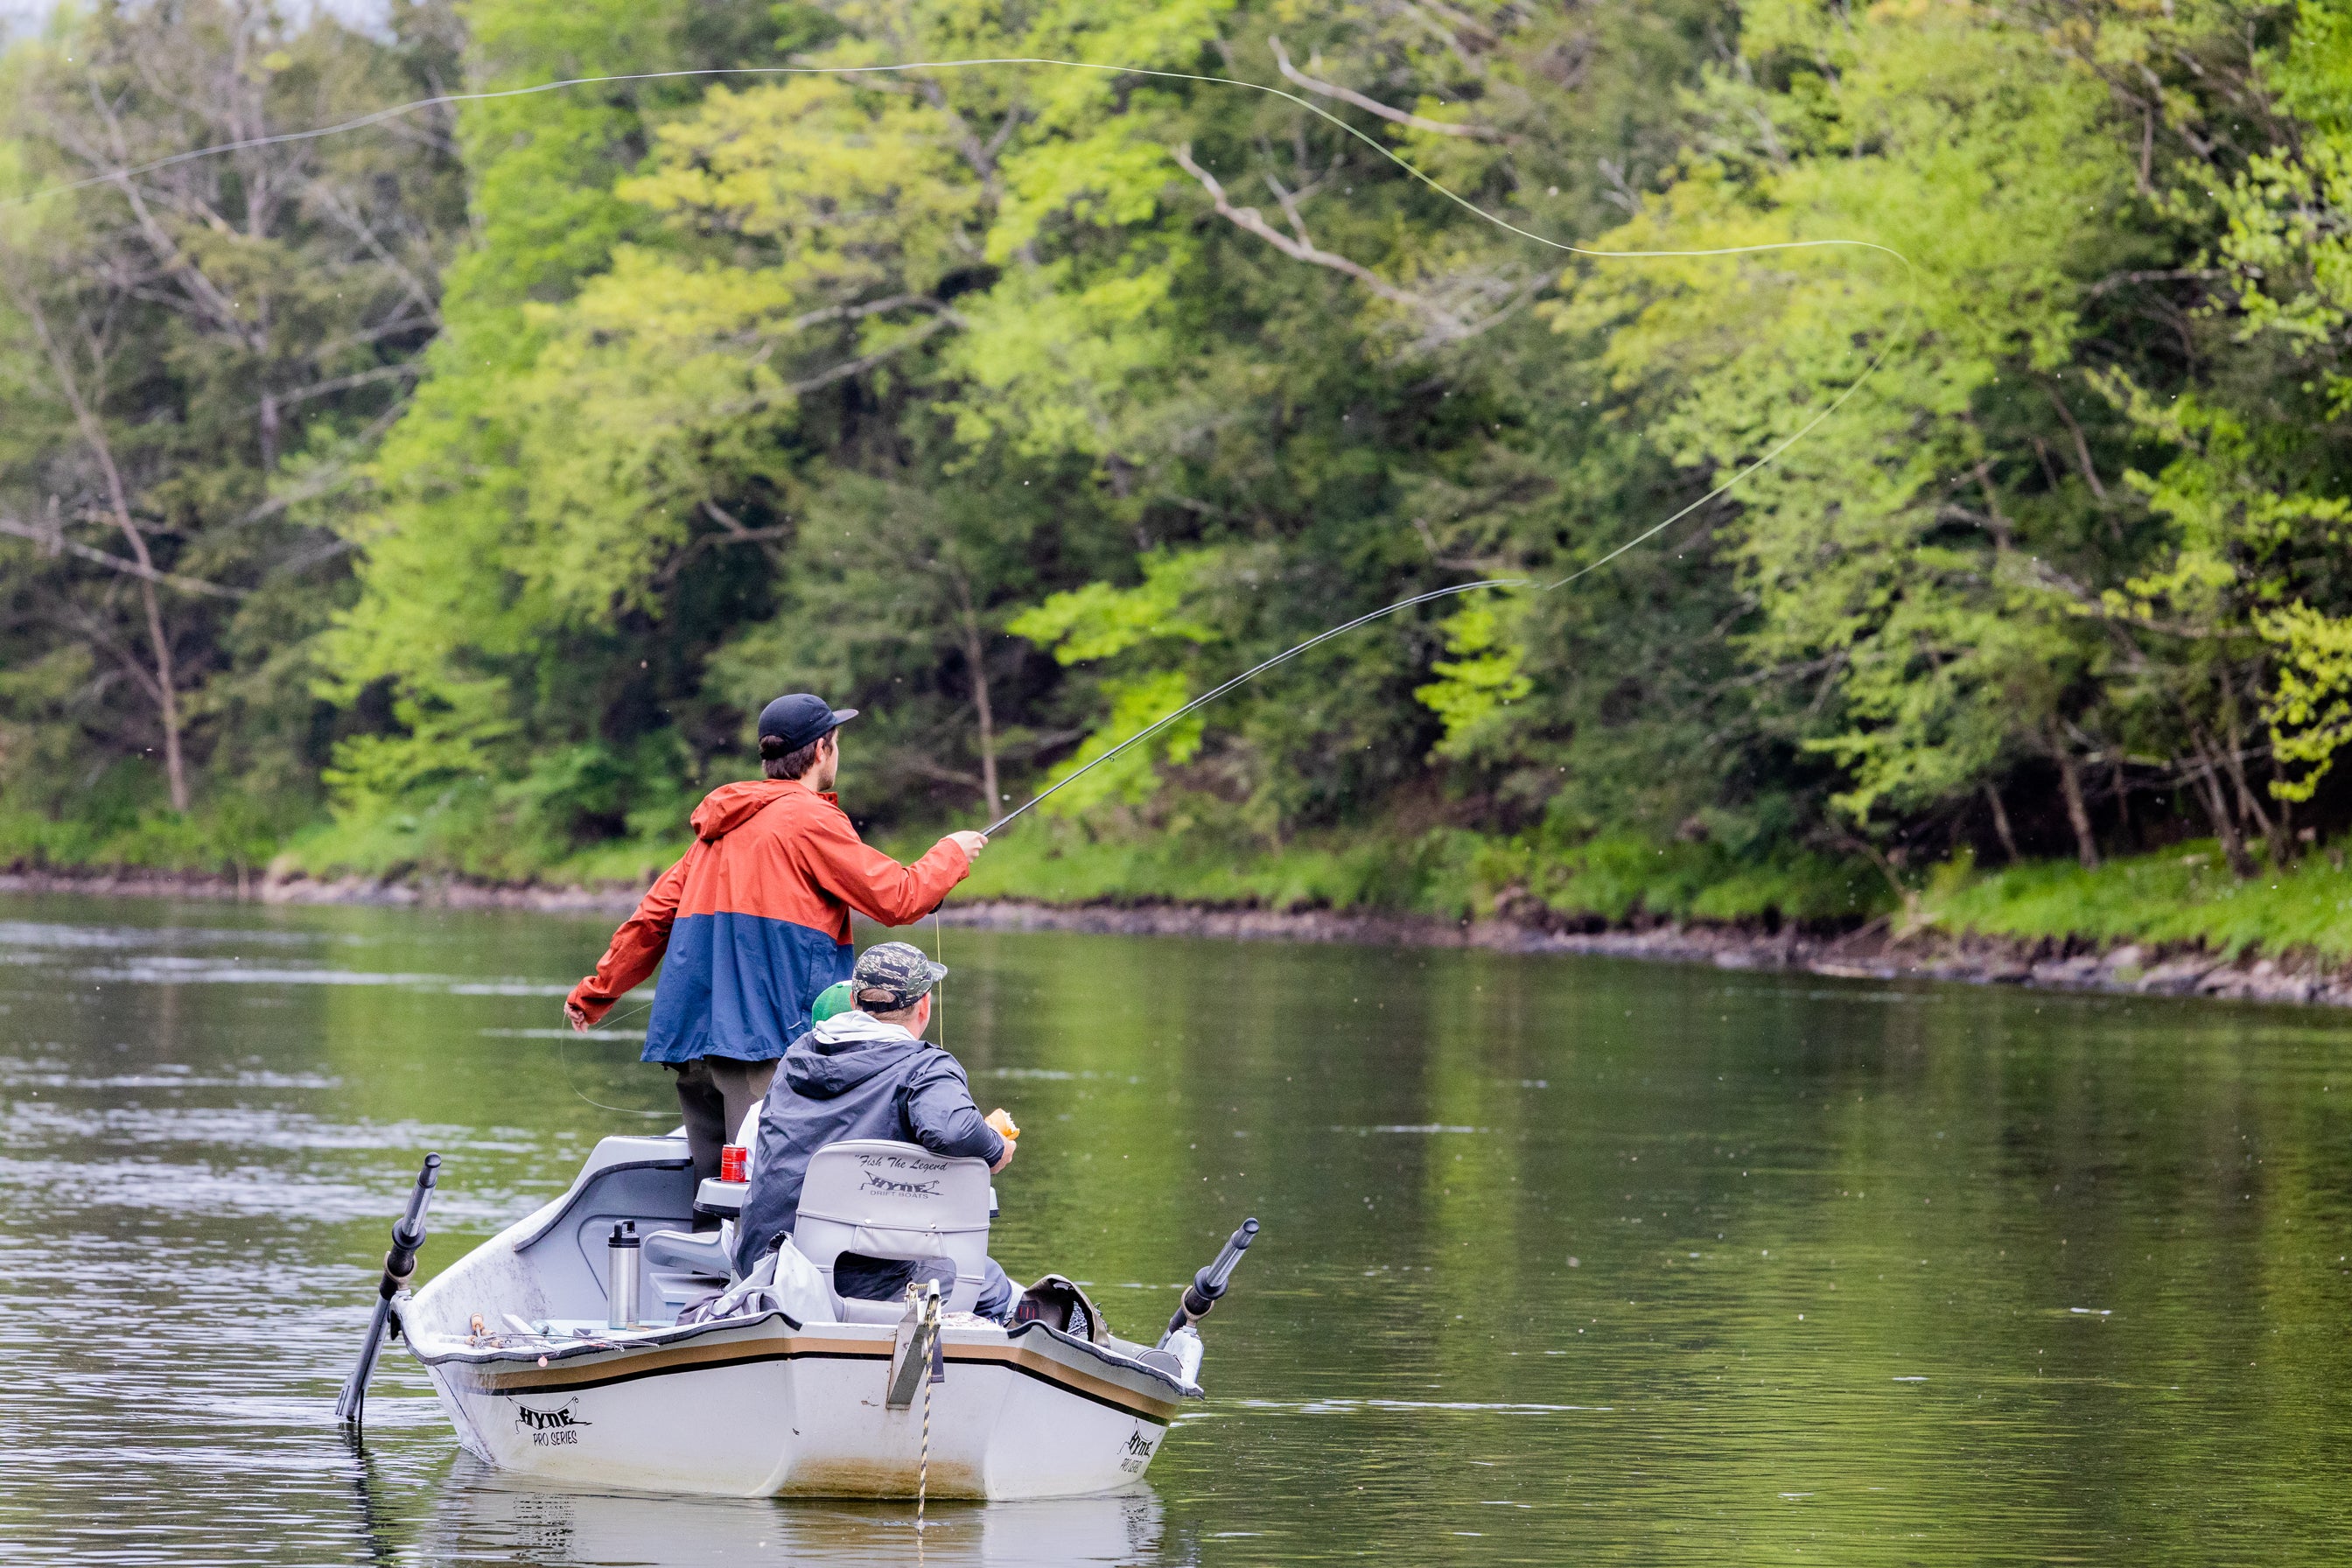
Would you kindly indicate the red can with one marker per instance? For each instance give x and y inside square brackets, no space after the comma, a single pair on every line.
[733,1161]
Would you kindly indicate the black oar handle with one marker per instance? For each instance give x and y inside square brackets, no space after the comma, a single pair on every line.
[1210,1283]
[408,1232]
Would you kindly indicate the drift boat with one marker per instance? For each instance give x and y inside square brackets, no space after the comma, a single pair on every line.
[556,1351]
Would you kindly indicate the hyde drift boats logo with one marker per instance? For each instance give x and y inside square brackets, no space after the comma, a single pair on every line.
[901,1175]
[551,1429]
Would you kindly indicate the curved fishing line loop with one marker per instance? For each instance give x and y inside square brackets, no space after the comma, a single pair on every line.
[564,1055]
[1539,588]
[380,116]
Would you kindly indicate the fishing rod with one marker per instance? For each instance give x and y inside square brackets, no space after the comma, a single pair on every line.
[1586,569]
[1247,675]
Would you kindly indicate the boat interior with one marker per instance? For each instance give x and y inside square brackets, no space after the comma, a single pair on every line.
[869,1199]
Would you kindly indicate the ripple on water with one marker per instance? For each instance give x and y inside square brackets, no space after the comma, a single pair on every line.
[1450,1344]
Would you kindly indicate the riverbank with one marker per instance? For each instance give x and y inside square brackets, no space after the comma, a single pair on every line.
[1952,935]
[1873,952]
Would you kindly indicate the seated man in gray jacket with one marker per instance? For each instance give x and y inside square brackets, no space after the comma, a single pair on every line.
[867,1073]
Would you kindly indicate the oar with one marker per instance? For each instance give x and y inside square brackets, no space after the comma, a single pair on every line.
[399,1267]
[1210,1283]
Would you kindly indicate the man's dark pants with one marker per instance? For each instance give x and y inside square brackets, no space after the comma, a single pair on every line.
[715,1093]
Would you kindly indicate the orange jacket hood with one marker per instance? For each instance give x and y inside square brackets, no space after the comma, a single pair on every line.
[731,805]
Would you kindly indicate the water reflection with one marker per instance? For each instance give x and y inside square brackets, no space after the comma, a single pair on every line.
[485,1516]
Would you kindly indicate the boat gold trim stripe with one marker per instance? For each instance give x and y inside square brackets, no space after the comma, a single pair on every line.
[802,1347]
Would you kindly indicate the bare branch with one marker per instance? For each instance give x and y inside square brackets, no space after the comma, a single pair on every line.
[2162,274]
[1301,248]
[56,542]
[2082,444]
[1374,106]
[864,362]
[859,312]
[344,214]
[328,477]
[345,382]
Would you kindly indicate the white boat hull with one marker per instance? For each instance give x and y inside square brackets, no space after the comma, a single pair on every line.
[764,1404]
[762,1409]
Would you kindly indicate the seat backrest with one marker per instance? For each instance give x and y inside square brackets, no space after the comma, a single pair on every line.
[897,1200]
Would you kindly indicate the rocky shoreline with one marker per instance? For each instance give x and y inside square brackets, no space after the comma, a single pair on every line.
[1873,952]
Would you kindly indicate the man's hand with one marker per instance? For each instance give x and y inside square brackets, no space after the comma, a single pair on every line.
[1001,1121]
[584,1015]
[970,842]
[1005,1159]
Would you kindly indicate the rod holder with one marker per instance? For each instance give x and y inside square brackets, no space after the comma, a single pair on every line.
[1210,1283]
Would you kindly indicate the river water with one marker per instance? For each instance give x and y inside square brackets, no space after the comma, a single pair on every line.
[1564,1260]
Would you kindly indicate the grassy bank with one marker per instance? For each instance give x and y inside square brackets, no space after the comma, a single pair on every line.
[1448,873]
[2184,894]
[2181,895]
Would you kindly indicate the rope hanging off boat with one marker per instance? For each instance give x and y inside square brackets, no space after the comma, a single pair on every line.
[923,1455]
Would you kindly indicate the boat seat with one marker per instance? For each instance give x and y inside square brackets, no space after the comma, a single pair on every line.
[883,1199]
[702,1252]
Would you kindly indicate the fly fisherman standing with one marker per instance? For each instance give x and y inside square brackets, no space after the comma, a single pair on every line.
[755,923]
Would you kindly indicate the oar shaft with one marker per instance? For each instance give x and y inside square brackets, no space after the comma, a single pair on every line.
[353,1399]
[399,1269]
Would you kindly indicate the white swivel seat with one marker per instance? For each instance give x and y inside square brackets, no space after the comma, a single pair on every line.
[896,1200]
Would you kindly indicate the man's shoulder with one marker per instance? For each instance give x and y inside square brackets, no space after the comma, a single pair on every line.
[936,1063]
[799,812]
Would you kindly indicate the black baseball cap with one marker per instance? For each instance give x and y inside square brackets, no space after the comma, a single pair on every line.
[798,718]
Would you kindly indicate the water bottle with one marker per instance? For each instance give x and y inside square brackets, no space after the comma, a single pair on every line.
[621,1290]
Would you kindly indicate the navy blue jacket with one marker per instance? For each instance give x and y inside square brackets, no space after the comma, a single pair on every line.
[853,1075]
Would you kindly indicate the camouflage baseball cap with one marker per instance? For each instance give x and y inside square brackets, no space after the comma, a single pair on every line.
[893,974]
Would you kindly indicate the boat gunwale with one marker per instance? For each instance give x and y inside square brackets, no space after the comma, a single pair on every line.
[674,1353]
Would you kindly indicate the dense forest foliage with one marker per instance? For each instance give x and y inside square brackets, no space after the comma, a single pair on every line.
[448,493]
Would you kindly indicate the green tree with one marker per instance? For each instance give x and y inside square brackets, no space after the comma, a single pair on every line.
[1933,568]
[195,356]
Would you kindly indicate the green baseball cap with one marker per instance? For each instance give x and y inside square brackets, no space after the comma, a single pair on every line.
[831,1002]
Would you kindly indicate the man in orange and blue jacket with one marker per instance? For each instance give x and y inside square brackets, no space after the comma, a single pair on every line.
[754,921]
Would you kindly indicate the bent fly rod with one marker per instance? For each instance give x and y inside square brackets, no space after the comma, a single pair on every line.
[1246,676]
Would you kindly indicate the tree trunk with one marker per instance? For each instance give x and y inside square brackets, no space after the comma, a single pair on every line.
[2248,805]
[167,693]
[2069,784]
[165,689]
[975,651]
[2000,823]
[2225,822]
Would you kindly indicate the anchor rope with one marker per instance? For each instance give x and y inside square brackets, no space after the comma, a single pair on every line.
[923,1456]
